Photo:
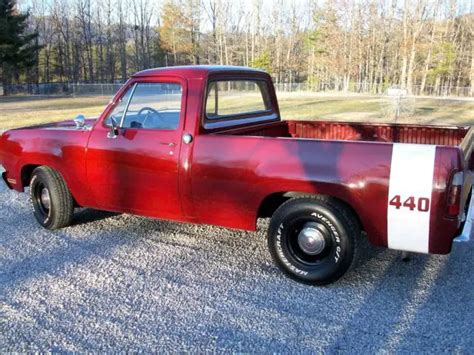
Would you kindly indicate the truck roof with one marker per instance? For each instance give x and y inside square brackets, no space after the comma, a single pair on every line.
[196,70]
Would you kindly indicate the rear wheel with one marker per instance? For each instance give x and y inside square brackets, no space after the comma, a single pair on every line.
[52,202]
[312,239]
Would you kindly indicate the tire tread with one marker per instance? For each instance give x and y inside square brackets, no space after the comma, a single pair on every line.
[63,213]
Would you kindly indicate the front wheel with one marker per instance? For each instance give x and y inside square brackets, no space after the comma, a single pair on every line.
[52,202]
[312,239]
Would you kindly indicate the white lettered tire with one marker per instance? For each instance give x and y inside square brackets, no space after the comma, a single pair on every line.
[313,239]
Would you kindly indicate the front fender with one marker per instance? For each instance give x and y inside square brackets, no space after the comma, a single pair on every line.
[60,149]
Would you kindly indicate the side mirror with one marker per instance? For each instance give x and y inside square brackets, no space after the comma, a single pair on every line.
[113,133]
[80,121]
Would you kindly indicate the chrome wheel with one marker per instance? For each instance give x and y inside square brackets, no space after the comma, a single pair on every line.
[45,199]
[311,239]
[41,199]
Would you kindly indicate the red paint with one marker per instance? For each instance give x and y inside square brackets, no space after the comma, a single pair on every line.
[224,175]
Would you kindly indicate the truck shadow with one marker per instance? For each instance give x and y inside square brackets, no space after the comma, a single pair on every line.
[160,229]
[88,215]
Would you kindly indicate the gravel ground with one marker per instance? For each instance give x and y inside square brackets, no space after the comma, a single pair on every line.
[119,282]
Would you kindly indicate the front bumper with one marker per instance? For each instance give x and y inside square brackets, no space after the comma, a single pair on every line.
[465,235]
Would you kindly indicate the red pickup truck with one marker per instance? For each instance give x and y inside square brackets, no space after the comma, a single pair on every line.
[205,144]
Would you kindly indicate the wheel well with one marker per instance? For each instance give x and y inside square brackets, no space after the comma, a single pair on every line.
[270,204]
[26,172]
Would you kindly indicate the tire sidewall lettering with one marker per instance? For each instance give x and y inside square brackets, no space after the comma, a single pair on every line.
[282,256]
[335,234]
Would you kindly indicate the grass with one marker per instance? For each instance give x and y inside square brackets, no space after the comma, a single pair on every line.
[24,111]
[377,109]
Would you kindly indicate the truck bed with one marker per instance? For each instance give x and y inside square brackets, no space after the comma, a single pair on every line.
[345,131]
[454,136]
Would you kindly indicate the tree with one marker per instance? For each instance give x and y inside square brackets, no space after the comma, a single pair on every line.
[122,39]
[262,62]
[18,48]
[179,32]
[173,31]
[142,13]
[363,45]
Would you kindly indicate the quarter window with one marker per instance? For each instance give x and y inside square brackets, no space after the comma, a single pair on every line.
[227,98]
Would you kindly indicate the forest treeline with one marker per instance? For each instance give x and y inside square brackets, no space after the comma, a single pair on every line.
[363,45]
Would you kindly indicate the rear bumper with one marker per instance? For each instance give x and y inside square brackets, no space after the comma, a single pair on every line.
[465,235]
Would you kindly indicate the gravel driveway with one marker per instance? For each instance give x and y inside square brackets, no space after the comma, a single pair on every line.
[119,282]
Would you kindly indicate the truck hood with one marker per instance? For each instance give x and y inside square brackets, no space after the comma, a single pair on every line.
[43,139]
[67,124]
[13,134]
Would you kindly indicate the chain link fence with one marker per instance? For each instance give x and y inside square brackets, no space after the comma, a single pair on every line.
[367,88]
[64,89]
[68,89]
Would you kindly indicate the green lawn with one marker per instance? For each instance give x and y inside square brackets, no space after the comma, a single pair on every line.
[23,111]
[376,109]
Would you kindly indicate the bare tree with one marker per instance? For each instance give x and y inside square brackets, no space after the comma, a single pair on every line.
[363,45]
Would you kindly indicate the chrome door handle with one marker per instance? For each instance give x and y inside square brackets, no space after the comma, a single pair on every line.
[170,144]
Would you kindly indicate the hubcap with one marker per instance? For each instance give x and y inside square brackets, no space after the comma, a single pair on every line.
[45,199]
[311,239]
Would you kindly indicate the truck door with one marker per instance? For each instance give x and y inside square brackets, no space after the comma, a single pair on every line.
[136,170]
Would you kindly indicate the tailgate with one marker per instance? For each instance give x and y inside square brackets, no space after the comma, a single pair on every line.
[466,147]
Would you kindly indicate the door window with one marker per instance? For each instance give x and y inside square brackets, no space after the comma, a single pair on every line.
[152,106]
[119,109]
